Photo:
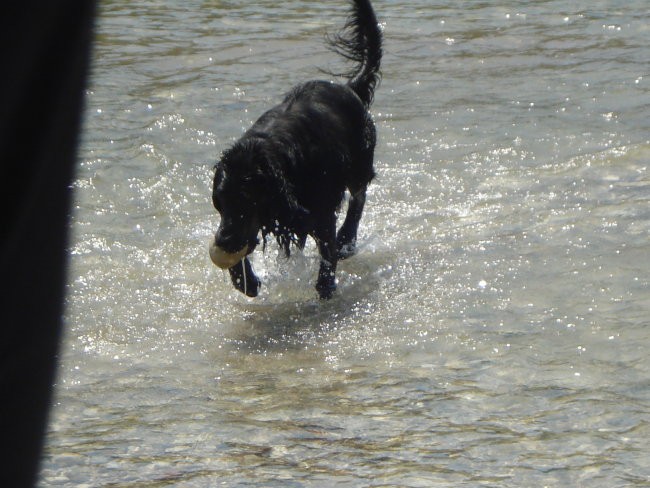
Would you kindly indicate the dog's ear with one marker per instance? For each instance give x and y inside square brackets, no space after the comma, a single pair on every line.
[284,204]
[301,220]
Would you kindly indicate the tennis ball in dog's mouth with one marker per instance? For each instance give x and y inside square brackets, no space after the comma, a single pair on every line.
[224,259]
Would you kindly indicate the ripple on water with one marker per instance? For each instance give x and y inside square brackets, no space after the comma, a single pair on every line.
[491,329]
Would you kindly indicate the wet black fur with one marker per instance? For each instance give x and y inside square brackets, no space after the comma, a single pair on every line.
[287,175]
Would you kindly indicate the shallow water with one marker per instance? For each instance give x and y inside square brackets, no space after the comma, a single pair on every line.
[493,329]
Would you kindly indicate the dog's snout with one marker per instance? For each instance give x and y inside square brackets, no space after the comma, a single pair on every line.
[222,239]
[225,259]
[228,236]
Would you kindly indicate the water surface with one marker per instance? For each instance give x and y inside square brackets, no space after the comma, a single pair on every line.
[493,329]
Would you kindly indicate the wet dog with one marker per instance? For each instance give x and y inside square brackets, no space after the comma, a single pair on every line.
[287,175]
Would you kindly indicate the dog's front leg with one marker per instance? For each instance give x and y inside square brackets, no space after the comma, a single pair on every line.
[244,279]
[325,236]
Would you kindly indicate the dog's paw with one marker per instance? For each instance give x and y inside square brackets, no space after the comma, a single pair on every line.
[326,286]
[346,244]
[252,288]
[325,293]
[244,278]
[346,251]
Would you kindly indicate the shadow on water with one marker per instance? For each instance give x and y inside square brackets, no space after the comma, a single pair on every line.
[289,316]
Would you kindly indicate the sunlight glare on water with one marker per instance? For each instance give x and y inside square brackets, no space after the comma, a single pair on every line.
[491,331]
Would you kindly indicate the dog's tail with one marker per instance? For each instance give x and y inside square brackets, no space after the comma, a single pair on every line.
[360,41]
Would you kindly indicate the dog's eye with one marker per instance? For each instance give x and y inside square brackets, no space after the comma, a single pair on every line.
[249,189]
[247,197]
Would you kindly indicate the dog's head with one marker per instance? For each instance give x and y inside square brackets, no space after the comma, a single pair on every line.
[252,192]
[239,195]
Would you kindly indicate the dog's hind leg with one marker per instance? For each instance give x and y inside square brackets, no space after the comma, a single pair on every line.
[325,236]
[346,239]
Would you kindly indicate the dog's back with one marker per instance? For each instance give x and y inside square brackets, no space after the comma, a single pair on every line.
[327,124]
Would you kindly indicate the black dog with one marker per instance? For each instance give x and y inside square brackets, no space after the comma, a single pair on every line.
[287,174]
